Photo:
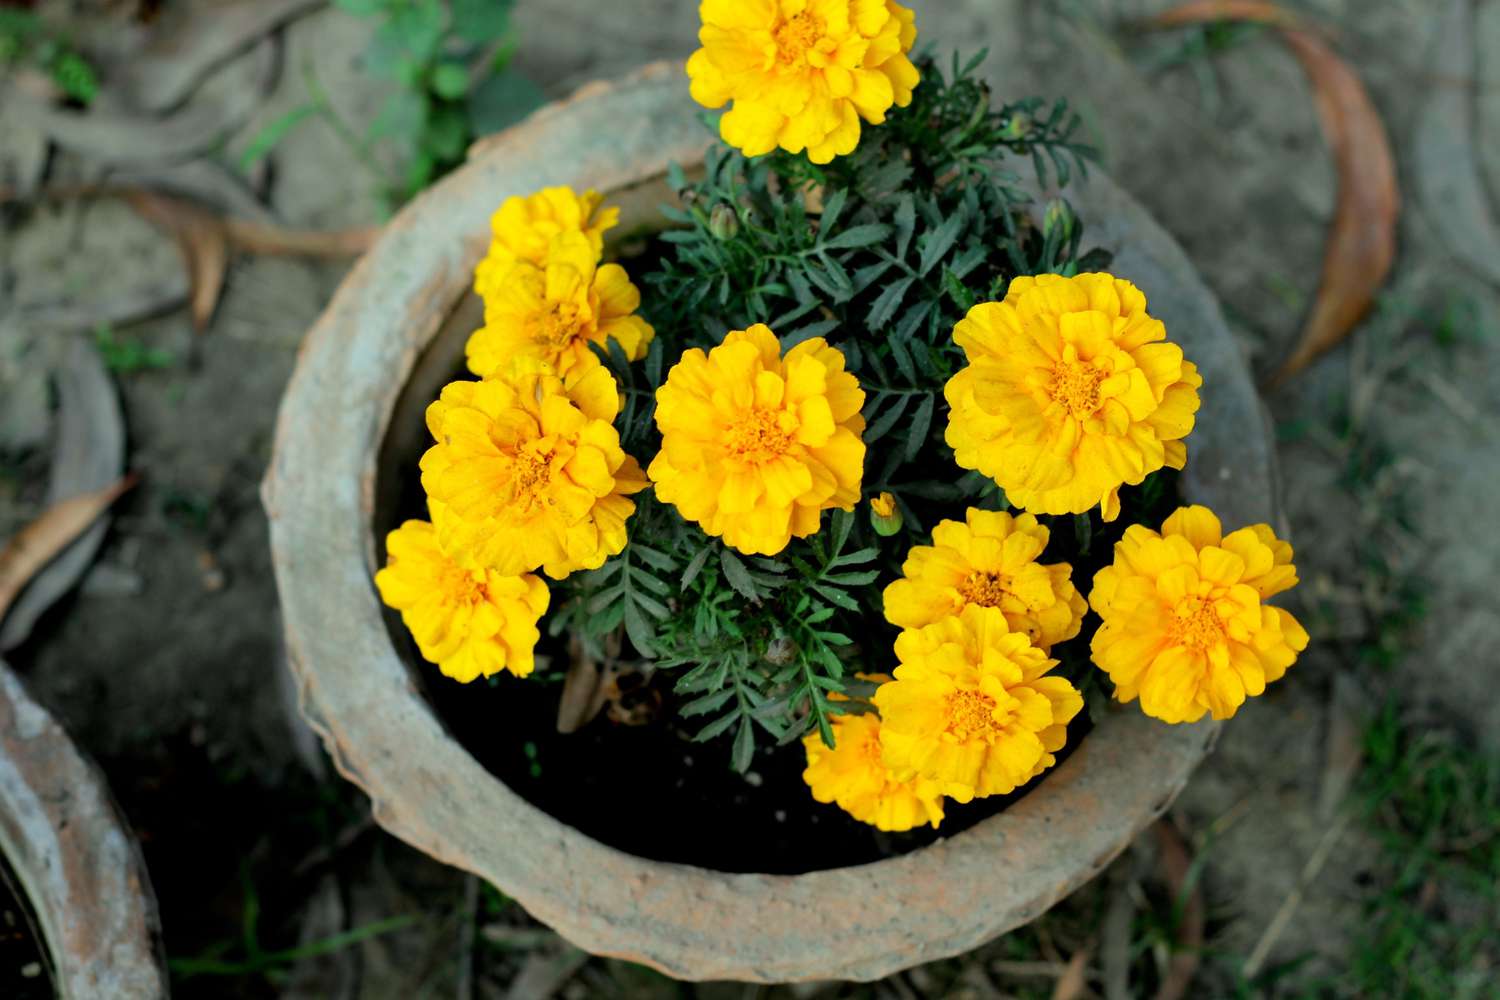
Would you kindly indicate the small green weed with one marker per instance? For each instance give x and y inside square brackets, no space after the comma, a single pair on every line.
[126,357]
[450,60]
[26,42]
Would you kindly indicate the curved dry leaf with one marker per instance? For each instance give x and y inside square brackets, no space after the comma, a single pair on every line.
[1177,865]
[180,54]
[280,241]
[1204,11]
[1362,244]
[88,455]
[203,242]
[39,542]
[1447,168]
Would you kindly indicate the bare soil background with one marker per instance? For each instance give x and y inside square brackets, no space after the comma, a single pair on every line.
[166,663]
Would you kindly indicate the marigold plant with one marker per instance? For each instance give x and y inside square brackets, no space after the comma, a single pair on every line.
[1071,392]
[988,560]
[802,73]
[885,403]
[554,313]
[756,446]
[530,469]
[853,775]
[470,622]
[523,229]
[972,707]
[1186,627]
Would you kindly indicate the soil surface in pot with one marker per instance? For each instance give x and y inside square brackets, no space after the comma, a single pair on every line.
[650,791]
[24,974]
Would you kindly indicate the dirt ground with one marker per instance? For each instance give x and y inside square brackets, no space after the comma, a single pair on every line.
[165,664]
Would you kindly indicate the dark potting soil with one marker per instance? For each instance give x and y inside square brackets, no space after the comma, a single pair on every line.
[650,791]
[24,971]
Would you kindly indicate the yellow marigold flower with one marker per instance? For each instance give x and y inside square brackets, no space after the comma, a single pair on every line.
[530,468]
[802,73]
[852,775]
[989,560]
[470,622]
[524,228]
[1186,627]
[755,447]
[1070,392]
[554,312]
[971,706]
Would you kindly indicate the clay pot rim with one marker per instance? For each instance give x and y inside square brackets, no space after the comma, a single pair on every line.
[76,860]
[860,922]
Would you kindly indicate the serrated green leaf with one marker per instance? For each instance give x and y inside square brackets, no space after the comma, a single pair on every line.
[906,224]
[695,566]
[887,303]
[707,703]
[940,242]
[833,207]
[716,728]
[744,747]
[882,427]
[921,423]
[738,576]
[856,237]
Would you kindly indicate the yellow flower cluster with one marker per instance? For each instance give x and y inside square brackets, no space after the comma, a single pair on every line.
[972,707]
[755,446]
[853,775]
[802,73]
[546,295]
[527,472]
[989,561]
[971,711]
[1071,392]
[1186,627]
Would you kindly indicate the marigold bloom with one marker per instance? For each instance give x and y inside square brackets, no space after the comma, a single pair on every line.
[1070,392]
[554,312]
[1185,624]
[988,560]
[802,73]
[852,775]
[530,468]
[470,622]
[524,228]
[755,447]
[972,708]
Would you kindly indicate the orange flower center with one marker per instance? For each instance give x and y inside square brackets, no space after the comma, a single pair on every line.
[796,35]
[759,437]
[558,326]
[459,586]
[531,473]
[984,589]
[1076,386]
[971,715]
[1196,624]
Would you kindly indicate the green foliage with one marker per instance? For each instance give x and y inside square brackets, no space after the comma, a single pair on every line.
[126,357]
[882,252]
[450,61]
[1434,804]
[26,42]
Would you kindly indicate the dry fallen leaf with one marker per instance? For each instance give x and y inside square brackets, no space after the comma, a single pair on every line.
[1176,865]
[203,242]
[1073,983]
[1362,244]
[36,544]
[88,453]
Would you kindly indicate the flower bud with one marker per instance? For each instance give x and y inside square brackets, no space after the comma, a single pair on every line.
[1058,221]
[885,516]
[781,651]
[724,222]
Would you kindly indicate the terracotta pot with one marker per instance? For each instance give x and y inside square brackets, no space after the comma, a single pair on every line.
[391,335]
[77,863]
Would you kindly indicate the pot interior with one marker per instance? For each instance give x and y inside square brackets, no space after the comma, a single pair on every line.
[646,789]
[25,963]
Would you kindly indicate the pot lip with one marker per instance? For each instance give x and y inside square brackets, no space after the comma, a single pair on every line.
[859,922]
[76,860]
